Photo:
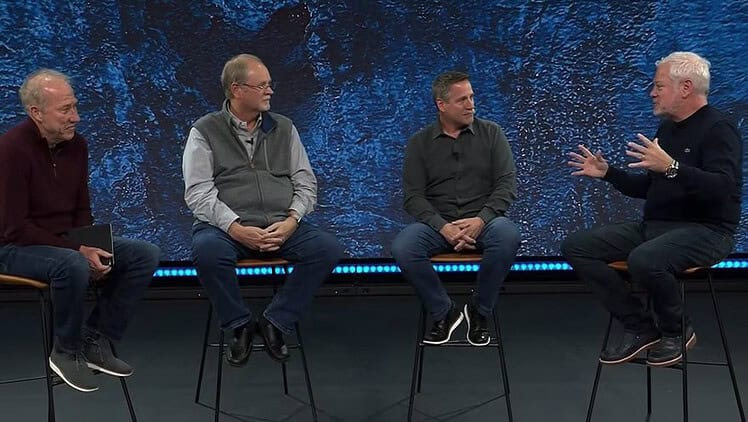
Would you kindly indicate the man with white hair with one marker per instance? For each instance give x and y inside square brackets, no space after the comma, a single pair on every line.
[692,191]
[44,194]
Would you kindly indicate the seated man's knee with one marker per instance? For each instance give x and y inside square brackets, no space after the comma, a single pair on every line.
[208,250]
[642,265]
[73,271]
[503,233]
[575,243]
[329,246]
[152,253]
[404,245]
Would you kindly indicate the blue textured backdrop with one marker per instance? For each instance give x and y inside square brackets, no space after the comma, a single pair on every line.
[356,78]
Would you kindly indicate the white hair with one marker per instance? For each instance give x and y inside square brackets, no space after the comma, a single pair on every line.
[691,66]
[31,90]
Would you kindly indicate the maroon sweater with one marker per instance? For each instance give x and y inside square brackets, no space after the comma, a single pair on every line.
[43,191]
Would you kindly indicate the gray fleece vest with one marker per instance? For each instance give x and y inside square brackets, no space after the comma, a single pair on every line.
[258,191]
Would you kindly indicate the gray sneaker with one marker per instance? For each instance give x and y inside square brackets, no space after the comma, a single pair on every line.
[72,368]
[99,355]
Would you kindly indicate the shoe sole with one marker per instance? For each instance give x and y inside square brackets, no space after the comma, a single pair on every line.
[631,356]
[237,364]
[467,336]
[689,345]
[108,371]
[449,334]
[59,373]
[279,360]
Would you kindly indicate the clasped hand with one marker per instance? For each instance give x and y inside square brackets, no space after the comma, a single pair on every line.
[269,239]
[461,234]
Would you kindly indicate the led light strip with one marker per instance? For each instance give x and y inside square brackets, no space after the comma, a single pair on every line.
[391,268]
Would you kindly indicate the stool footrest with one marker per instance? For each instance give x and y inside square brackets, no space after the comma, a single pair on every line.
[256,347]
[27,379]
[459,343]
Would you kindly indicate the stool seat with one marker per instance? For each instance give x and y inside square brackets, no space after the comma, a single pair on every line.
[261,262]
[15,280]
[623,266]
[457,257]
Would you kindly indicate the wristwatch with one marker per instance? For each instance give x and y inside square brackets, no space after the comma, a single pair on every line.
[296,217]
[672,170]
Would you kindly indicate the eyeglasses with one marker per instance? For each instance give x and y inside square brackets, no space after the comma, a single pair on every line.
[261,87]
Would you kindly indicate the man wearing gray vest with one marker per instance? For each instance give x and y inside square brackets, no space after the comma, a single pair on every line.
[249,184]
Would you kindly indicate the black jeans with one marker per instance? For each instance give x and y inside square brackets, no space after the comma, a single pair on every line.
[656,252]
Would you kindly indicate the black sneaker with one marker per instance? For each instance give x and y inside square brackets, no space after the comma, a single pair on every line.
[477,331]
[442,330]
[632,343]
[240,344]
[669,351]
[100,357]
[72,368]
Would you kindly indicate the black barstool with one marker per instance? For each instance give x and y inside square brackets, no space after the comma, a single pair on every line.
[683,365]
[220,344]
[415,384]
[46,306]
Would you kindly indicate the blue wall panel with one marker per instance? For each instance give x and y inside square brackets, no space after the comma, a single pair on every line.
[355,77]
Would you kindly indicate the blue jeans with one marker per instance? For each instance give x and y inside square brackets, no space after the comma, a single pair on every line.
[416,244]
[68,275]
[656,251]
[313,253]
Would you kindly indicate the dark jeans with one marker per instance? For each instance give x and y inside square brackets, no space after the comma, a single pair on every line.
[656,252]
[68,275]
[417,243]
[313,253]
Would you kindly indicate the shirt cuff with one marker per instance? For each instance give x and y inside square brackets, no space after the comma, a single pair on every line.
[224,222]
[487,214]
[436,222]
[299,208]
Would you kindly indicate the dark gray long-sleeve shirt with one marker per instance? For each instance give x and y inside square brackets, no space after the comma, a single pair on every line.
[446,179]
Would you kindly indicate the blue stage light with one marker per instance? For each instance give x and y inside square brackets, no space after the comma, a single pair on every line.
[740,263]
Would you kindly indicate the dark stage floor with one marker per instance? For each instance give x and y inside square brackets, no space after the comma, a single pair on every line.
[360,352]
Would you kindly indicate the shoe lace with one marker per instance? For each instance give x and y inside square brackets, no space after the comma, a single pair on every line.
[80,359]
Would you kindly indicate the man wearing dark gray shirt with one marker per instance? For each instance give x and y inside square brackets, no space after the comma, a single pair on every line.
[458,181]
[248,183]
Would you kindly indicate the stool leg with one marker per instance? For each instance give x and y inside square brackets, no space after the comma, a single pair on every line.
[417,363]
[502,360]
[125,391]
[45,313]
[285,378]
[220,373]
[650,306]
[199,387]
[684,362]
[306,374]
[728,356]
[421,348]
[597,372]
[649,391]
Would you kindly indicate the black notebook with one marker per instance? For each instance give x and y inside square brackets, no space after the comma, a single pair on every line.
[97,236]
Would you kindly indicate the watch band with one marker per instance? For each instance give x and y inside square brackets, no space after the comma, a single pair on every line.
[672,170]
